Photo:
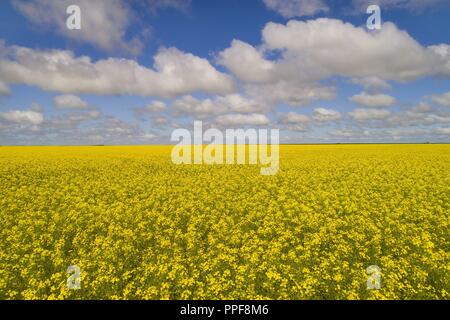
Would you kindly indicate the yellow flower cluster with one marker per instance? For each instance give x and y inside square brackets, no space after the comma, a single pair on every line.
[140,227]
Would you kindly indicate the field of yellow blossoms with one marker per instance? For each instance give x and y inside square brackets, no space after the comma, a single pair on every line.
[140,227]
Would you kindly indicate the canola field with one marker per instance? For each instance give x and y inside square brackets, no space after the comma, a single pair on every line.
[140,227]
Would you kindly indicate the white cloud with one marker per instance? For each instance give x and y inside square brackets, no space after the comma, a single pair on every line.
[304,53]
[326,115]
[246,62]
[293,118]
[421,115]
[332,47]
[402,133]
[291,93]
[112,130]
[281,81]
[373,100]
[273,81]
[156,106]
[422,108]
[4,89]
[233,120]
[349,133]
[294,122]
[117,127]
[23,117]
[238,103]
[297,127]
[67,129]
[160,121]
[363,115]
[189,105]
[372,83]
[71,120]
[148,136]
[104,23]
[443,99]
[406,134]
[296,8]
[174,73]
[443,52]
[443,131]
[69,101]
[436,118]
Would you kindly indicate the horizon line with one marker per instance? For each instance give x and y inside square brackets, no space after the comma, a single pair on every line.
[281,144]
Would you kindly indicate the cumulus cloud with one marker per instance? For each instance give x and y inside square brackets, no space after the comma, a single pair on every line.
[4,89]
[174,73]
[160,121]
[189,105]
[292,93]
[239,103]
[294,122]
[349,133]
[104,23]
[273,81]
[296,8]
[443,99]
[235,120]
[293,118]
[232,103]
[148,136]
[69,101]
[405,134]
[246,62]
[108,130]
[372,83]
[326,115]
[373,100]
[152,109]
[156,106]
[334,47]
[113,126]
[250,64]
[284,69]
[71,120]
[78,127]
[23,117]
[443,131]
[417,117]
[443,52]
[363,115]
[422,108]
[294,65]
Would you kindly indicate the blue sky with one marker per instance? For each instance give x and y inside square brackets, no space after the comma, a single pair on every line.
[139,69]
